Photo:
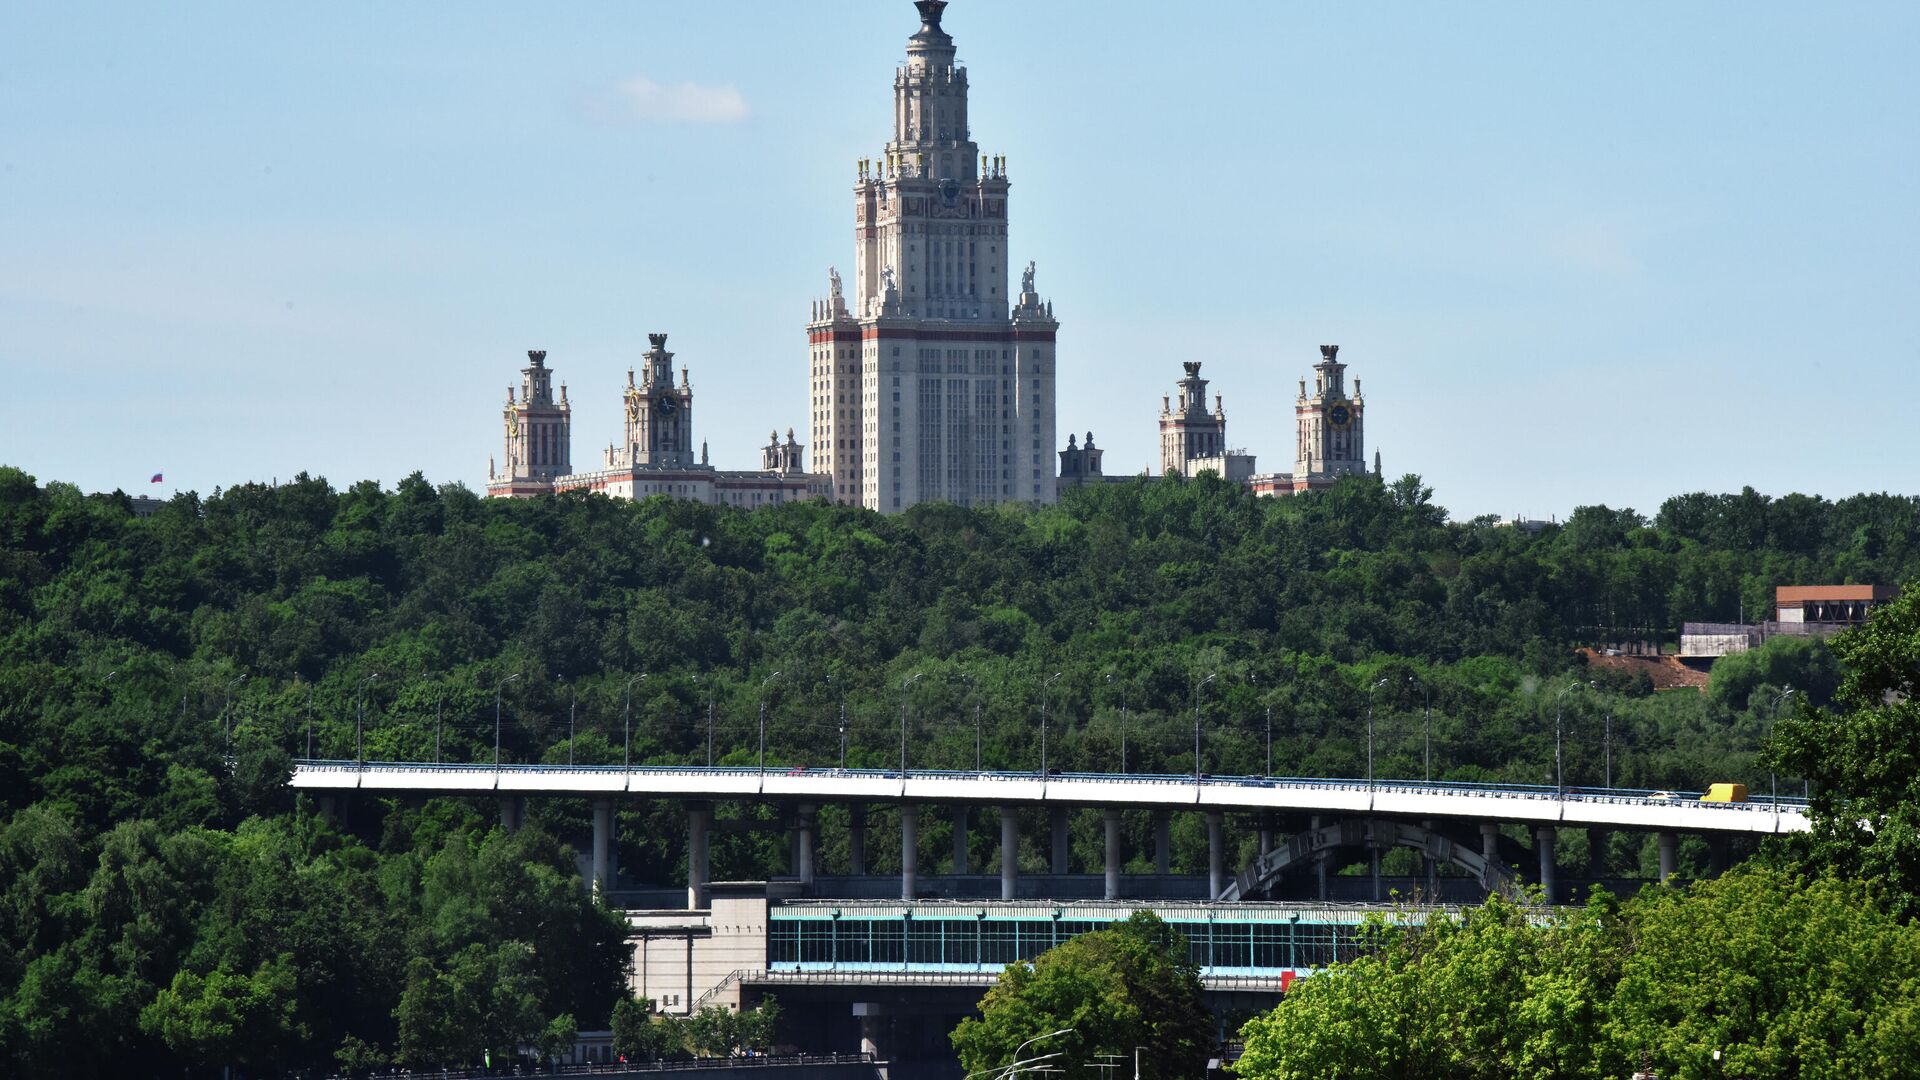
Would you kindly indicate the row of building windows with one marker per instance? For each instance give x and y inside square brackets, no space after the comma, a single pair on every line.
[991,943]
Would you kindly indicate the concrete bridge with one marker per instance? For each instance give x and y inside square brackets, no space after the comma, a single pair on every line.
[1436,819]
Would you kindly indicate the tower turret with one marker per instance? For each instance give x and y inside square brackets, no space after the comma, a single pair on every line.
[538,429]
[659,414]
[1330,429]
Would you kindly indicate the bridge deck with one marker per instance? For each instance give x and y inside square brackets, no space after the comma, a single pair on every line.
[1519,804]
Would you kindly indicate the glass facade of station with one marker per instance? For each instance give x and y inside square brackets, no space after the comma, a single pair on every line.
[1223,939]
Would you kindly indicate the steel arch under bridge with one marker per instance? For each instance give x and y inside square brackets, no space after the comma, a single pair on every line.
[1303,849]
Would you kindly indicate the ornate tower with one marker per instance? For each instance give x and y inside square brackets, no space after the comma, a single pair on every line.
[1187,430]
[788,457]
[659,414]
[931,381]
[538,429]
[1331,435]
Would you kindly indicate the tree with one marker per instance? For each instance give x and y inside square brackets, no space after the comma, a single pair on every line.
[714,1031]
[1129,985]
[226,1018]
[1502,990]
[1784,977]
[638,1035]
[760,1026]
[1863,758]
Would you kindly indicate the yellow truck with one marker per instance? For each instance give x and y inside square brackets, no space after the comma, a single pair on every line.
[1725,793]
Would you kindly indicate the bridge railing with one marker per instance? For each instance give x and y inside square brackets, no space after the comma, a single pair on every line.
[1636,796]
[610,1068]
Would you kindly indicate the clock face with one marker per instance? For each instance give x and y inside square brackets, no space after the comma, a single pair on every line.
[1340,415]
[668,406]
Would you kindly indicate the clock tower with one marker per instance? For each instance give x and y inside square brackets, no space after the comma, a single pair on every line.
[659,414]
[1330,433]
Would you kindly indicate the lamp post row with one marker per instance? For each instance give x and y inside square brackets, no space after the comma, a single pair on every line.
[1559,750]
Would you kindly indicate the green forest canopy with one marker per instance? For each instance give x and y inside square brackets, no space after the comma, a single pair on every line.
[154,892]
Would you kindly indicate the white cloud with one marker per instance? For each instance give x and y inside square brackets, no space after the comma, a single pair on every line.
[641,98]
[1600,246]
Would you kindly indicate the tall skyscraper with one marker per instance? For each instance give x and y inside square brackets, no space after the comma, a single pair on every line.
[932,381]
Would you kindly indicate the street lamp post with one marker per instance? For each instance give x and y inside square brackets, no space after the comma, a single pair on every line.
[1196,724]
[1607,742]
[573,705]
[905,684]
[1426,694]
[1559,739]
[1123,727]
[973,687]
[1370,693]
[626,722]
[360,725]
[1773,778]
[763,725]
[310,727]
[497,691]
[712,692]
[1043,719]
[1016,1063]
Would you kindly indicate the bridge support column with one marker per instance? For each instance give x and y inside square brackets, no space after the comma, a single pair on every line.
[1717,852]
[1216,855]
[1543,837]
[1162,843]
[699,822]
[513,812]
[857,840]
[602,846]
[1316,823]
[1112,819]
[1009,851]
[329,809]
[805,826]
[1426,859]
[1373,870]
[1597,843]
[1059,821]
[961,861]
[1266,835]
[1490,842]
[909,850]
[1669,855]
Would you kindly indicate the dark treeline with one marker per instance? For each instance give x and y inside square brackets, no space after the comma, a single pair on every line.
[157,674]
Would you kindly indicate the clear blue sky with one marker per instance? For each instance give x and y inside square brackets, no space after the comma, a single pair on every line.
[1603,255]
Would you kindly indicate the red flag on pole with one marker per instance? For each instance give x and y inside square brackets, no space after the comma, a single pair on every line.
[157,477]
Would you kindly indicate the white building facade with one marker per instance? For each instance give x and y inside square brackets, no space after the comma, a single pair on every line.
[932,380]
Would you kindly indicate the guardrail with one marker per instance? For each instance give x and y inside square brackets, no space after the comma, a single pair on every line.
[613,1068]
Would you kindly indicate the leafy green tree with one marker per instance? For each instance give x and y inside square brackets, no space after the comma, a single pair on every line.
[760,1026]
[1129,985]
[638,1035]
[1785,977]
[714,1031]
[228,1018]
[1863,757]
[558,1039]
[1502,990]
